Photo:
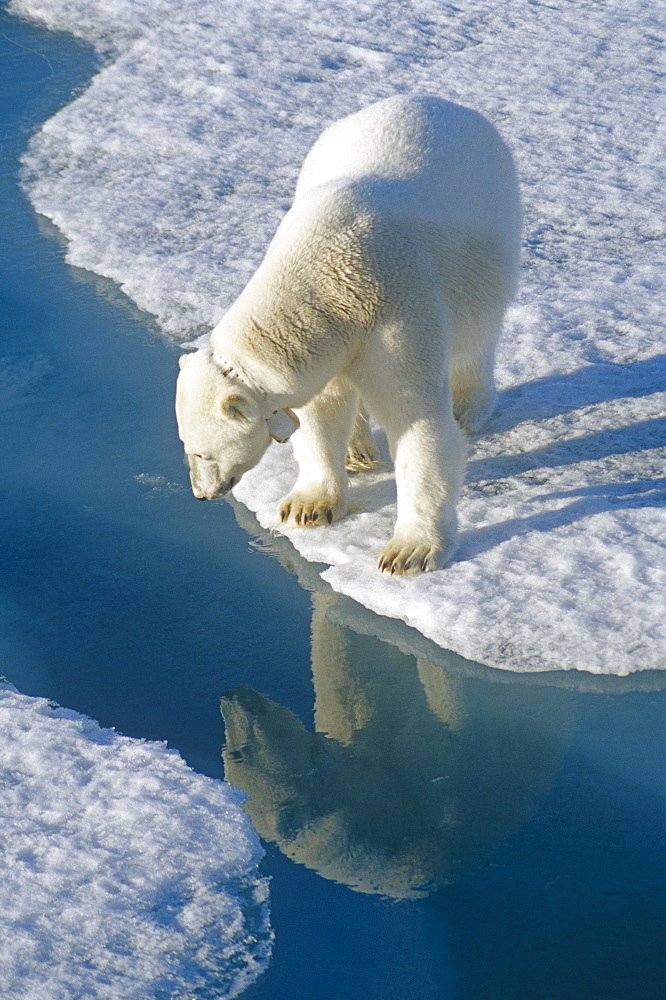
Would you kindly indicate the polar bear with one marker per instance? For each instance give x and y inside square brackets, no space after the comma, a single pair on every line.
[383,290]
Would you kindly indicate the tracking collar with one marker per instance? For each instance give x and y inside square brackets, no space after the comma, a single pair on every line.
[281,423]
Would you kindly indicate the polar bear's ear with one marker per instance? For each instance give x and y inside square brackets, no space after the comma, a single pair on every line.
[234,406]
[183,359]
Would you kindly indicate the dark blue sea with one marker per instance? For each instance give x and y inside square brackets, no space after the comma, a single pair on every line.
[431,834]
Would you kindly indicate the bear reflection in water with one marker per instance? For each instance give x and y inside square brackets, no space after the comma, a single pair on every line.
[412,774]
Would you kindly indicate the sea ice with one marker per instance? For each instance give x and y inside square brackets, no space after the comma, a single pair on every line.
[125,874]
[170,173]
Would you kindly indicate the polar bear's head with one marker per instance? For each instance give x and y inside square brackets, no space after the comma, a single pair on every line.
[220,423]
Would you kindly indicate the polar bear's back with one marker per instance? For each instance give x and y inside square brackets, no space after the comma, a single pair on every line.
[423,157]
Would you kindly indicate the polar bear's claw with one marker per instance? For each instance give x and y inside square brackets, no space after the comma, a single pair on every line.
[357,461]
[403,558]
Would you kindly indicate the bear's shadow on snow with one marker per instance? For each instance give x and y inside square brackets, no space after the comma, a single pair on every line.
[639,436]
[591,500]
[555,395]
[597,383]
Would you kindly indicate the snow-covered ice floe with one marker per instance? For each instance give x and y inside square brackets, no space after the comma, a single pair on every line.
[171,172]
[125,874]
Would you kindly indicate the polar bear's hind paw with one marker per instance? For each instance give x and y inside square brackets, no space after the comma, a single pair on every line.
[362,450]
[359,461]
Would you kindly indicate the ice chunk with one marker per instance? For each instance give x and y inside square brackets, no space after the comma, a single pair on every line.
[124,873]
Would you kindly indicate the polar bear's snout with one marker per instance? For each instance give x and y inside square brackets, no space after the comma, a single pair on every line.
[217,494]
[207,484]
[220,492]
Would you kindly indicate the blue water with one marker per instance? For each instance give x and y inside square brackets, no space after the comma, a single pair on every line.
[535,813]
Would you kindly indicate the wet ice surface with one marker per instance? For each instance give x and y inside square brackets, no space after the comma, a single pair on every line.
[172,184]
[124,873]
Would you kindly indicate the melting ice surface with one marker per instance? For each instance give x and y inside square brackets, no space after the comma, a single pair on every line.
[124,873]
[172,171]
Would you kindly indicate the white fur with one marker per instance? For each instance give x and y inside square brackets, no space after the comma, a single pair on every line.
[385,285]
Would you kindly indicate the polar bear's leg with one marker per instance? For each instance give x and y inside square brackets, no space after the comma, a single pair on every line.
[472,376]
[474,394]
[429,469]
[362,450]
[320,445]
[428,448]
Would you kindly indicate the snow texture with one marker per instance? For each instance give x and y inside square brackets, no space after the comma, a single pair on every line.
[172,171]
[125,875]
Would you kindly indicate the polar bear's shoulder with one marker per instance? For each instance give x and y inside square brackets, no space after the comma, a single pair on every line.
[397,139]
[417,158]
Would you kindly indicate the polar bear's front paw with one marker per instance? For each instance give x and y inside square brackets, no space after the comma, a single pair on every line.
[308,511]
[408,560]
[408,554]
